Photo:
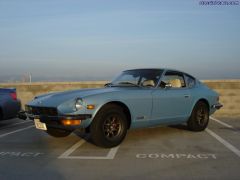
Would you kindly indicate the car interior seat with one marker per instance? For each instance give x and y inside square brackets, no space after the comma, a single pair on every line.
[148,83]
[176,83]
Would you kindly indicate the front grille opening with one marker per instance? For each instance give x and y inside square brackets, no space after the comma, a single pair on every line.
[48,111]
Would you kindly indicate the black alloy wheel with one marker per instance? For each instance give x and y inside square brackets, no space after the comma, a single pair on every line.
[199,118]
[109,126]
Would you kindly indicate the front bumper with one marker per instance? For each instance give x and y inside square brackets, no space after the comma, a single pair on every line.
[217,106]
[56,121]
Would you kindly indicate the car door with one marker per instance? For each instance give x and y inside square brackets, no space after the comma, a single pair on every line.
[171,100]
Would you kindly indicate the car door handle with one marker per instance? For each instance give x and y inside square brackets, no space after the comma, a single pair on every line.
[187,96]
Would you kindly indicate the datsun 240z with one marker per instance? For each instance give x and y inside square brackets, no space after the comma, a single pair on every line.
[135,99]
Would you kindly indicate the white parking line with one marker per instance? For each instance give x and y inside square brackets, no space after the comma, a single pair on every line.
[222,123]
[224,142]
[66,155]
[6,134]
[72,149]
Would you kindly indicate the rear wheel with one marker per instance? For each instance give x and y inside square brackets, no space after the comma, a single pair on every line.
[109,127]
[58,132]
[199,118]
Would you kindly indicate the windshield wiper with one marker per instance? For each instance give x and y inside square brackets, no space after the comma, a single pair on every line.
[129,83]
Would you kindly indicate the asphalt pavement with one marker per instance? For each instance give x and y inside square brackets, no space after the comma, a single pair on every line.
[154,153]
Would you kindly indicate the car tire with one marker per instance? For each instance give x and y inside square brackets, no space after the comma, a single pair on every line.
[58,132]
[199,118]
[109,127]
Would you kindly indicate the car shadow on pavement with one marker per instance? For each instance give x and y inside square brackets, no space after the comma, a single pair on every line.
[179,126]
[83,134]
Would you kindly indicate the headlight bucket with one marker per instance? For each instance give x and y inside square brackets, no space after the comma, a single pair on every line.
[79,104]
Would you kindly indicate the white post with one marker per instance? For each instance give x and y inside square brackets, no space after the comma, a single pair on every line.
[30,77]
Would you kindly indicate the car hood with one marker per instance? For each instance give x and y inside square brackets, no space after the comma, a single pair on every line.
[55,99]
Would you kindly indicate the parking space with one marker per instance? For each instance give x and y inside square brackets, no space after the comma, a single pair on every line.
[163,152]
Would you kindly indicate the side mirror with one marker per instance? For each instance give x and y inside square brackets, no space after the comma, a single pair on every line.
[108,85]
[168,85]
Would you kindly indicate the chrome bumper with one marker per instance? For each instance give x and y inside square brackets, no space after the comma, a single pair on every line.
[24,115]
[217,106]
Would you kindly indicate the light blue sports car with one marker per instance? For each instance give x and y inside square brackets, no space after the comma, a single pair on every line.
[136,98]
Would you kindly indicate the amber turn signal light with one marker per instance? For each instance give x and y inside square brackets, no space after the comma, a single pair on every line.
[90,106]
[71,122]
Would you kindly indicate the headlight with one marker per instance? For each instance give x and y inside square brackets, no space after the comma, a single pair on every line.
[79,104]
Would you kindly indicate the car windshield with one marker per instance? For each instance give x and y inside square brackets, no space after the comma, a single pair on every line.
[139,77]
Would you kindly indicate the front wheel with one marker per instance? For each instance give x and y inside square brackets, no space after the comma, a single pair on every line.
[58,132]
[199,118]
[109,127]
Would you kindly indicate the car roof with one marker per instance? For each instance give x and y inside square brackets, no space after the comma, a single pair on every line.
[154,69]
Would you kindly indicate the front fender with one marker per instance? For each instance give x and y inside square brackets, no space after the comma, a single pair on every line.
[138,102]
[99,107]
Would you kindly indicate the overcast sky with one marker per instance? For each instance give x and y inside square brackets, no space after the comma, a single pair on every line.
[95,39]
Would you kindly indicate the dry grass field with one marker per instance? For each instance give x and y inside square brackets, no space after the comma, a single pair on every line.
[229,91]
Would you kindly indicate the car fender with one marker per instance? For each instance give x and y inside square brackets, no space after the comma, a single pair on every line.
[99,107]
[196,101]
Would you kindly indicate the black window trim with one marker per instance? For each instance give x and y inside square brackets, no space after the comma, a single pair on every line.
[185,77]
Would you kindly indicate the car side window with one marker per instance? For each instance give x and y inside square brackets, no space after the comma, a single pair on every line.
[176,80]
[190,81]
